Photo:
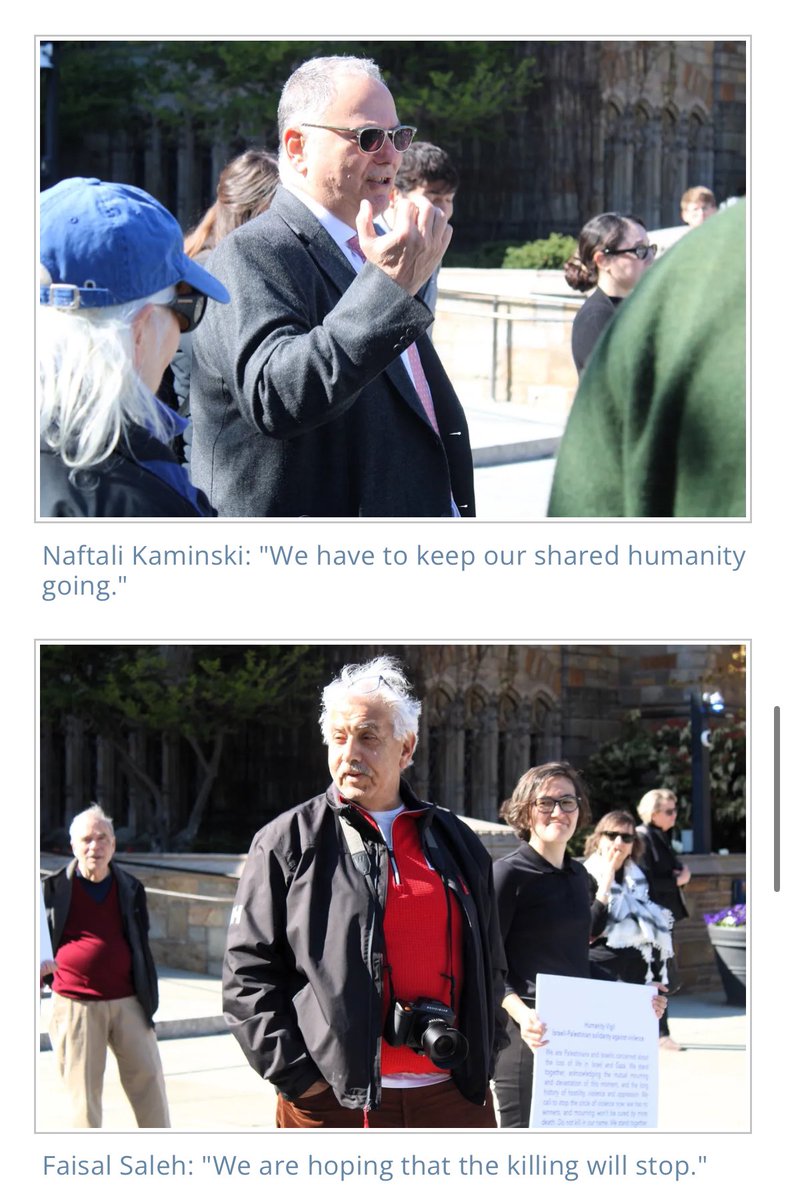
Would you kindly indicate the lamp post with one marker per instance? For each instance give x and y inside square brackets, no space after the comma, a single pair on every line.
[702,706]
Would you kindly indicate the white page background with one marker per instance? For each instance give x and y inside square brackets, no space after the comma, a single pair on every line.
[482,604]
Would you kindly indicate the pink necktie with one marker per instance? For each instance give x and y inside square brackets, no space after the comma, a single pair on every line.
[418,374]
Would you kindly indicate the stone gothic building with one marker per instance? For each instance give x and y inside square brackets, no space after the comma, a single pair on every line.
[625,125]
[489,713]
[629,126]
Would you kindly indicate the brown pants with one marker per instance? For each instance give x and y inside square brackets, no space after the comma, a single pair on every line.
[439,1106]
[80,1031]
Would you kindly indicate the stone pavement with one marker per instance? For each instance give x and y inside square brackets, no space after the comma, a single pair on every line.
[514,457]
[211,1086]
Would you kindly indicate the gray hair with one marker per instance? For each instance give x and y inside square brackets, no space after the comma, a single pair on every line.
[90,392]
[652,801]
[95,811]
[381,679]
[311,89]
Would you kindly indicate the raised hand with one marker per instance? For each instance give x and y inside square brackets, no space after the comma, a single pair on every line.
[415,246]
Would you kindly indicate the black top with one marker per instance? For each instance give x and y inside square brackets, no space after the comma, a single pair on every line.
[592,318]
[544,914]
[141,478]
[659,862]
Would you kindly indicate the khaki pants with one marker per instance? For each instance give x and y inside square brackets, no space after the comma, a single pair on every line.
[80,1031]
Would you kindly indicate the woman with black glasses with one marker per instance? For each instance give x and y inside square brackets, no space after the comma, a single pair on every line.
[631,934]
[613,253]
[546,919]
[544,909]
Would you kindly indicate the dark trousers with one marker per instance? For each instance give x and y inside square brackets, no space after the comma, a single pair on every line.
[627,965]
[439,1106]
[513,1080]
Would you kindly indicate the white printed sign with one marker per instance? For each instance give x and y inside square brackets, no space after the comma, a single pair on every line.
[600,1067]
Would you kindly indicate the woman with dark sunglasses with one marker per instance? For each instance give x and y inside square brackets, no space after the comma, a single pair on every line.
[631,934]
[613,253]
[116,290]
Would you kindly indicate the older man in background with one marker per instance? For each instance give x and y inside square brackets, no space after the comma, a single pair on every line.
[105,985]
[317,395]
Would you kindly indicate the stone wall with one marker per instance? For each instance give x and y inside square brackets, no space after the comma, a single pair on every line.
[710,889]
[505,336]
[190,909]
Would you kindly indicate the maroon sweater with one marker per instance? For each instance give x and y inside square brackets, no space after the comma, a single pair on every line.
[93,958]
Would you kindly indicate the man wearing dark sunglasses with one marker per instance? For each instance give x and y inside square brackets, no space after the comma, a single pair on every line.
[320,395]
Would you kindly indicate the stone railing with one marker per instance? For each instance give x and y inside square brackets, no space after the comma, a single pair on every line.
[505,336]
[190,899]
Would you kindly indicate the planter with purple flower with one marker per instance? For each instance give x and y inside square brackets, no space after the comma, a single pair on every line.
[728,934]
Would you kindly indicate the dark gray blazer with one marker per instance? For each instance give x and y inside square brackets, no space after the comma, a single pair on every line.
[300,403]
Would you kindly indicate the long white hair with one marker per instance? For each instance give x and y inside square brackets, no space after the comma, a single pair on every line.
[90,392]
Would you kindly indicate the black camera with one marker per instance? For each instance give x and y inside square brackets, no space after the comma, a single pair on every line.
[427,1026]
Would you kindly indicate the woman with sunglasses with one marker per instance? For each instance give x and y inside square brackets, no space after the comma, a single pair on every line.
[666,874]
[631,934]
[116,291]
[613,253]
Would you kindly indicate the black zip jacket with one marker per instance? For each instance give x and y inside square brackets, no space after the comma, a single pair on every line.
[304,963]
[121,485]
[133,911]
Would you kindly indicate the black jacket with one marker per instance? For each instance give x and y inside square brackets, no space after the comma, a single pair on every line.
[136,924]
[300,402]
[595,314]
[304,963]
[120,486]
[659,862]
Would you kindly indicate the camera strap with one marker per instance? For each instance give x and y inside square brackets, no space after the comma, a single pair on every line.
[362,861]
[356,847]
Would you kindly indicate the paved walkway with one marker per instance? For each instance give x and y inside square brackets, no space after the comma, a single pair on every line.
[211,1086]
[514,457]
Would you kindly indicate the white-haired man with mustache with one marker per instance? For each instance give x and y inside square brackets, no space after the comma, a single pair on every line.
[364,971]
[319,394]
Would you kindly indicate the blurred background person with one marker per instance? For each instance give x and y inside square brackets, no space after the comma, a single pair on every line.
[116,291]
[631,933]
[696,205]
[613,253]
[666,874]
[245,188]
[658,425]
[426,170]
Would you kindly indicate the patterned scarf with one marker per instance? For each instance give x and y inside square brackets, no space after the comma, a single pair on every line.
[634,919]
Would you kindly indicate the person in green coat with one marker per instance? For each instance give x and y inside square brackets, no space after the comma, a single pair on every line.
[657,427]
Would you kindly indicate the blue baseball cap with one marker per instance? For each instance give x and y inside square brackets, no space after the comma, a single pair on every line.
[110,243]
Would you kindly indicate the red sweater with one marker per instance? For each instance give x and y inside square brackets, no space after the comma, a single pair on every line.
[416,938]
[93,958]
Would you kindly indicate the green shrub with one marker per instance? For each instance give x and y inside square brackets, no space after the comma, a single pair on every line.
[549,253]
[487,255]
[620,772]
